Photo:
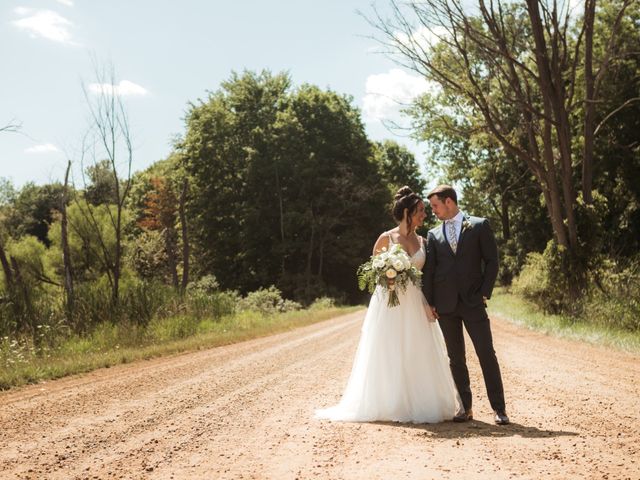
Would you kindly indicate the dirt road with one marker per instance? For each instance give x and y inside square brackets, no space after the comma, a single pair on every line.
[245,411]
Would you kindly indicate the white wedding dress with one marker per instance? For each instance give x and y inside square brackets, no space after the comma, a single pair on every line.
[401,369]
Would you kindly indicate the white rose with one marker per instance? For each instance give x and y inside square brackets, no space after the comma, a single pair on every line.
[378,263]
[391,273]
[398,264]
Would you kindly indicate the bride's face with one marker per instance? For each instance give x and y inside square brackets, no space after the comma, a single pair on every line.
[417,219]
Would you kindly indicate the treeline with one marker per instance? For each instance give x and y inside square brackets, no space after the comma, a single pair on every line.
[535,111]
[270,186]
[534,115]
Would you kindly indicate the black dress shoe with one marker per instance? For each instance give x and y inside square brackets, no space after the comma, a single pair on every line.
[464,416]
[501,418]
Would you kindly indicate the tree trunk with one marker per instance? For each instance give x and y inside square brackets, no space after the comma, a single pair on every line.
[547,91]
[504,217]
[281,218]
[552,91]
[66,255]
[170,246]
[589,104]
[551,190]
[116,262]
[27,313]
[310,254]
[6,268]
[321,254]
[185,236]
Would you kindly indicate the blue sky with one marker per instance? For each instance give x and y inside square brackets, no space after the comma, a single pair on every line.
[168,53]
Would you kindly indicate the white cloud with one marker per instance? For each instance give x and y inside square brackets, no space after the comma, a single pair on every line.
[424,37]
[68,3]
[43,148]
[387,93]
[125,87]
[44,23]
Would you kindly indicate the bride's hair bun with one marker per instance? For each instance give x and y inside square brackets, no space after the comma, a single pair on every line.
[405,198]
[403,192]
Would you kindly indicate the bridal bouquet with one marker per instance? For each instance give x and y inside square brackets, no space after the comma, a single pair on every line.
[392,270]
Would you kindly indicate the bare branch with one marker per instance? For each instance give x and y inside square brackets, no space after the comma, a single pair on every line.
[613,112]
[609,52]
[13,126]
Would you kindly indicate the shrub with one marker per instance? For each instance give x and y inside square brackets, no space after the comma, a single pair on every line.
[322,303]
[268,301]
[211,305]
[92,305]
[615,296]
[207,284]
[141,301]
[545,280]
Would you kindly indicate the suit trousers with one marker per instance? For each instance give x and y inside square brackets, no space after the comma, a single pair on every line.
[476,322]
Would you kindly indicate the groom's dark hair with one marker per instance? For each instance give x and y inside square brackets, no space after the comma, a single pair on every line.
[443,192]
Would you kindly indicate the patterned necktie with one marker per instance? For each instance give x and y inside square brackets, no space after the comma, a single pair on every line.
[451,235]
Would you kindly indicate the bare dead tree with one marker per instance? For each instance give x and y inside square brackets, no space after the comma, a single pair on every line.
[109,138]
[64,236]
[12,127]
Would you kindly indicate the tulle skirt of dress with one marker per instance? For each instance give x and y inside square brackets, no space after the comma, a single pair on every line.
[401,370]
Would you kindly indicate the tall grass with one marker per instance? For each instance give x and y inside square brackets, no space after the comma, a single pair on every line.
[41,339]
[110,344]
[610,296]
[587,326]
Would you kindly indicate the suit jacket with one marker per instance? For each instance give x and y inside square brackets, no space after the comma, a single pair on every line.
[467,275]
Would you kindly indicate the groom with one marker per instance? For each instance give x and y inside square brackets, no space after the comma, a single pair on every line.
[459,274]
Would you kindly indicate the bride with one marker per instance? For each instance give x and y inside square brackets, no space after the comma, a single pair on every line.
[401,370]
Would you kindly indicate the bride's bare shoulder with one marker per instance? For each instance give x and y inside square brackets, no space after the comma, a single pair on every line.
[382,242]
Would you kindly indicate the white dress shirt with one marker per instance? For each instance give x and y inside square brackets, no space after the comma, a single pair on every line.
[457,222]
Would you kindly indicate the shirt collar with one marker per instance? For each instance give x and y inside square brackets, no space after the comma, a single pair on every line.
[457,219]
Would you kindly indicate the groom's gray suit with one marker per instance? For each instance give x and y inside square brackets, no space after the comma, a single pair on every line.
[455,283]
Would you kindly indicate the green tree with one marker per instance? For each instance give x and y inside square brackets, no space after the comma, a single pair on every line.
[227,148]
[398,167]
[523,57]
[31,210]
[175,190]
[616,167]
[92,241]
[28,278]
[336,199]
[494,184]
[101,189]
[7,192]
[283,186]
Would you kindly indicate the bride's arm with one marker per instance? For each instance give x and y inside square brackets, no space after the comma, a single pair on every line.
[381,242]
[428,310]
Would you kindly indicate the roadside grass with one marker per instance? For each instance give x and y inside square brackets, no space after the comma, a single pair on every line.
[521,312]
[109,345]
